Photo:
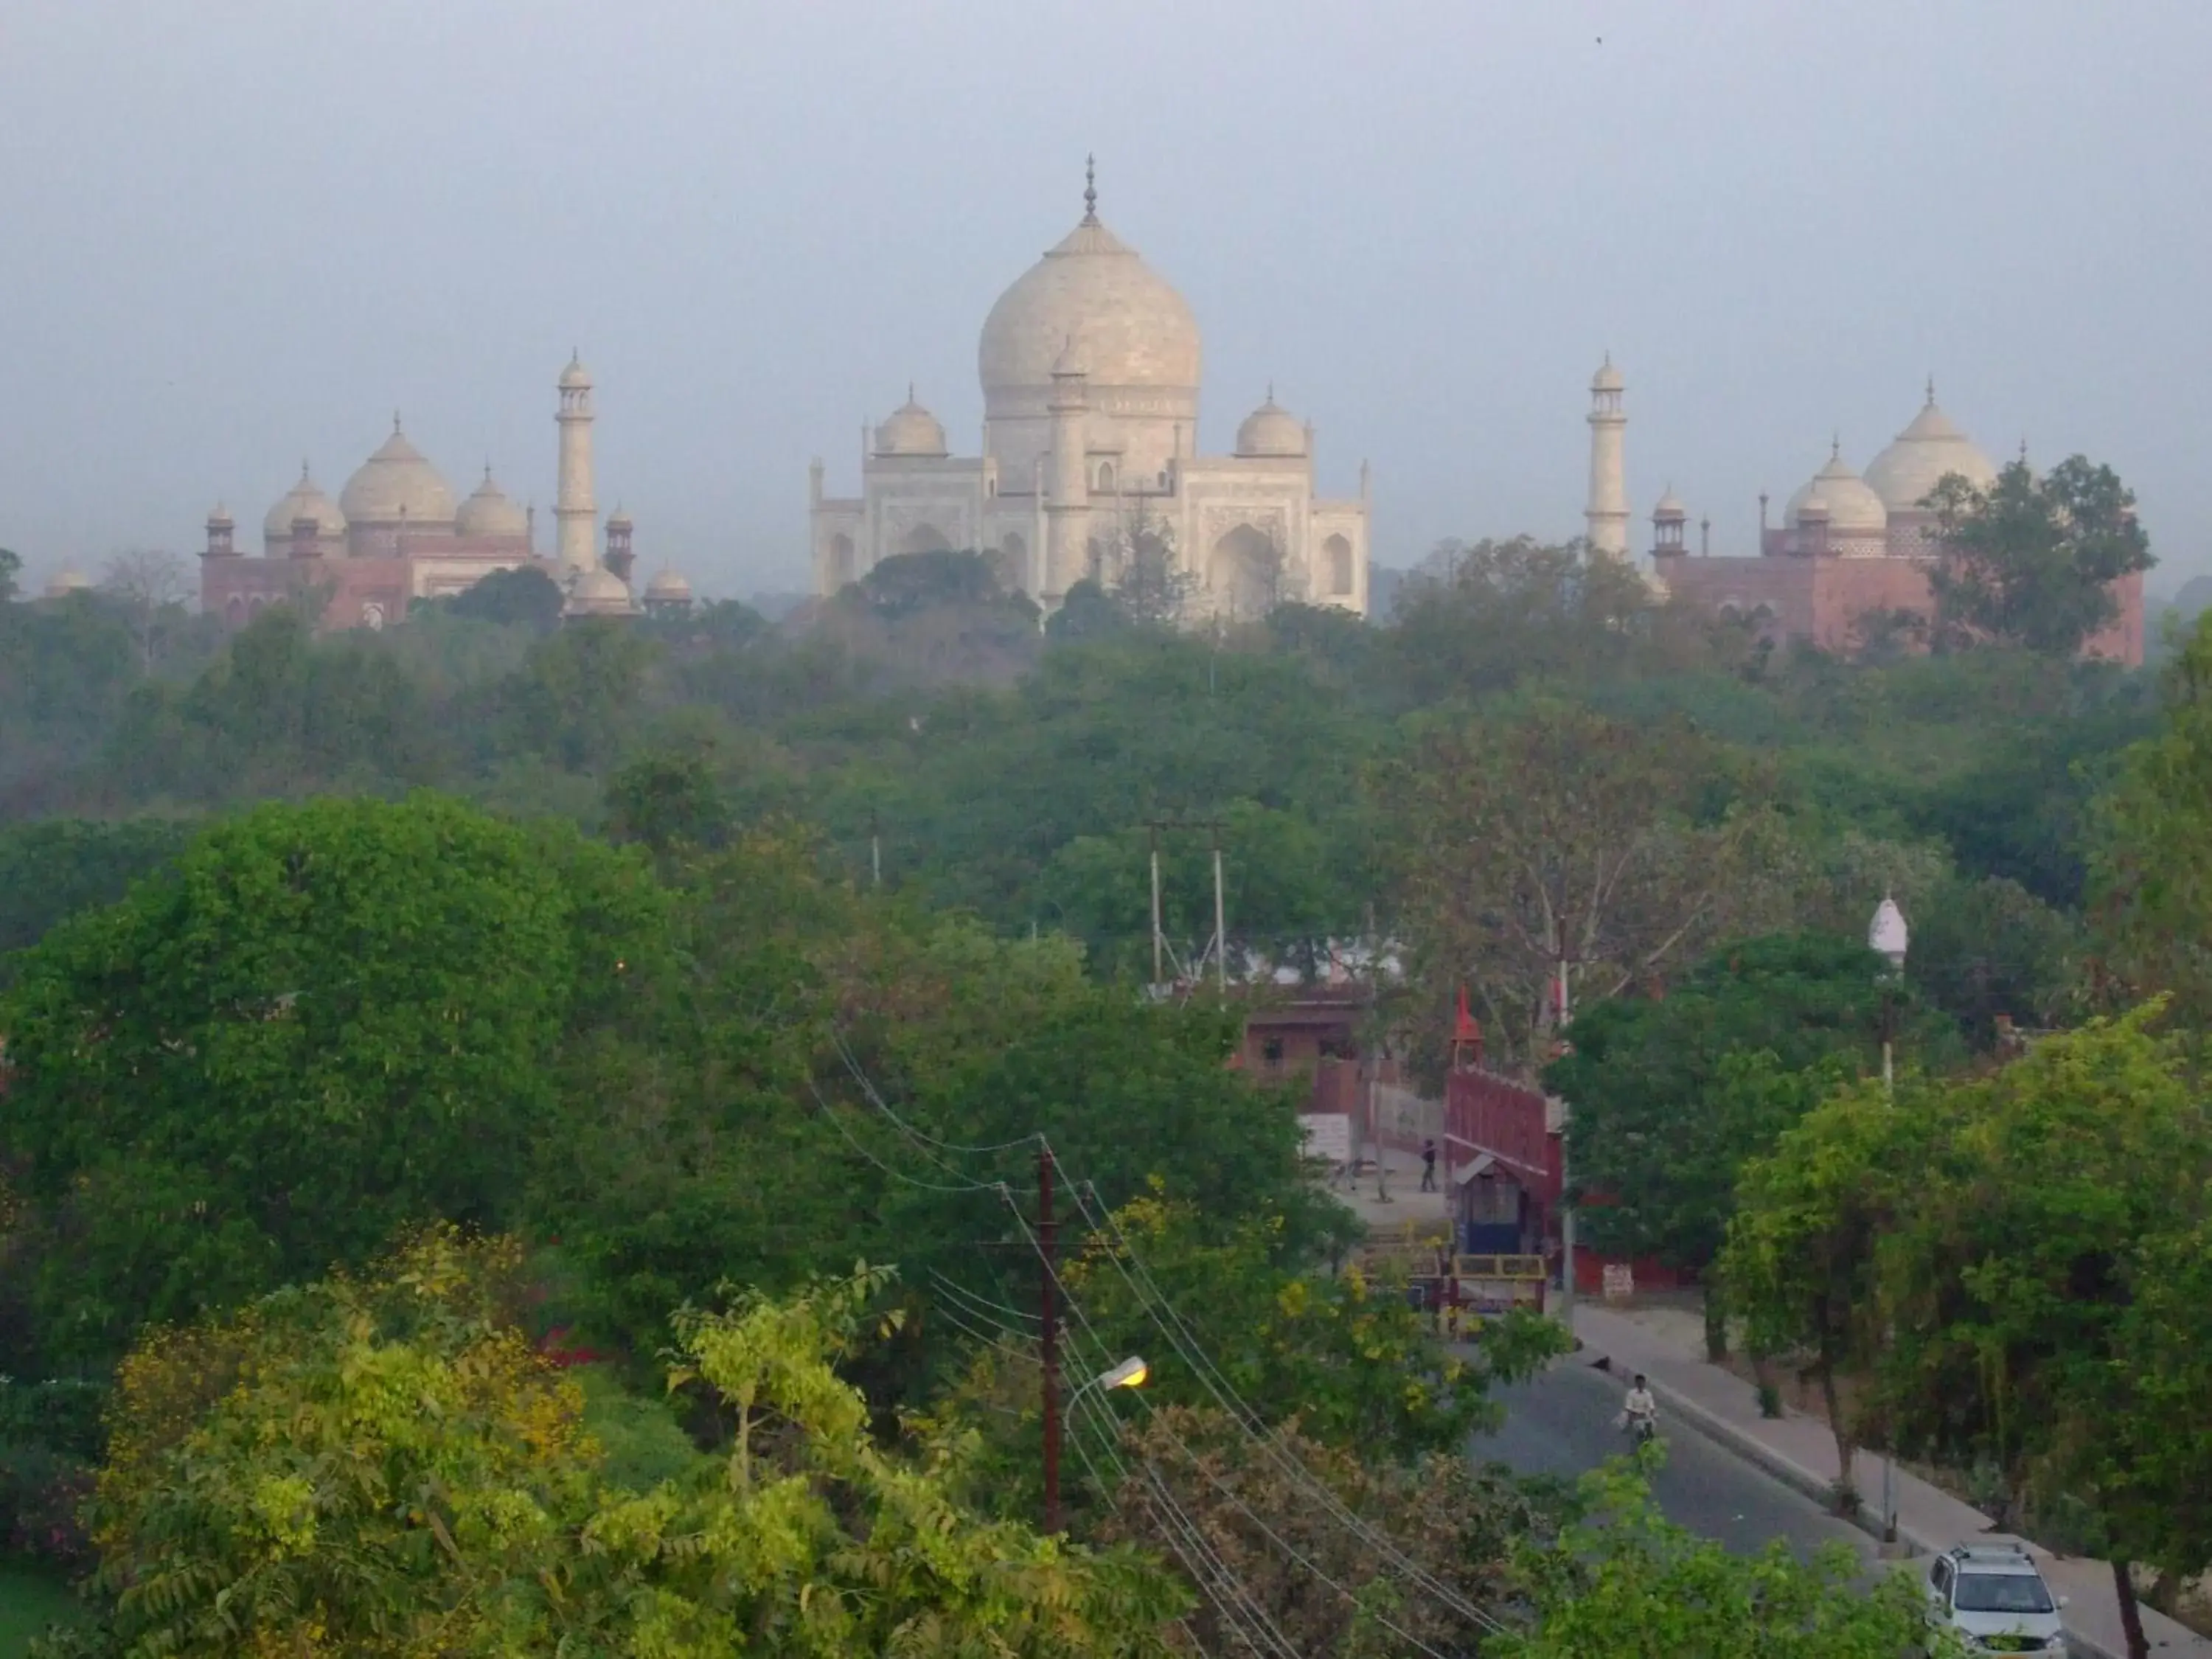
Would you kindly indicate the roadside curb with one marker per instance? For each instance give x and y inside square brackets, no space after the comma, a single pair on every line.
[1742,1442]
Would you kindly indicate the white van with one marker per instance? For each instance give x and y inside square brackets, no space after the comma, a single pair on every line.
[1992,1594]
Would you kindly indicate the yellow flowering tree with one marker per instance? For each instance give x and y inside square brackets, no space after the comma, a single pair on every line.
[384,1466]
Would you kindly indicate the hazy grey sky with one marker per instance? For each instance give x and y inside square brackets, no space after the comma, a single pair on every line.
[237,232]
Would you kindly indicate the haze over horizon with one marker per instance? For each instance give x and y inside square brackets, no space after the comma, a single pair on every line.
[242,231]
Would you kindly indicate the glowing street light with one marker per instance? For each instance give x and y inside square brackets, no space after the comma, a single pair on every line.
[1129,1374]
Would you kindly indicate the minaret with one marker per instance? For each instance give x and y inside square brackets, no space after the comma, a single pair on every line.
[1068,509]
[576,537]
[1606,515]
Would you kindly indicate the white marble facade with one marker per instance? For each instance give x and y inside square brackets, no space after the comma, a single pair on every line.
[1090,366]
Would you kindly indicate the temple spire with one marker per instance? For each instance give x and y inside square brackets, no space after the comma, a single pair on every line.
[1090,190]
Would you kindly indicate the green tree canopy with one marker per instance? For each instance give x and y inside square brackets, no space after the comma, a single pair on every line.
[383,1465]
[1671,1095]
[524,594]
[323,1022]
[2031,560]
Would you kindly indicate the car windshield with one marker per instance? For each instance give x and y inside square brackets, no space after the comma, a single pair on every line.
[2001,1592]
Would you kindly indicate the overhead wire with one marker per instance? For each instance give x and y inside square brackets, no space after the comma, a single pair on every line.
[1229,1493]
[853,1141]
[1184,1341]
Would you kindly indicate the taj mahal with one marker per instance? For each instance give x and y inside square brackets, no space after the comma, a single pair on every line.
[1090,366]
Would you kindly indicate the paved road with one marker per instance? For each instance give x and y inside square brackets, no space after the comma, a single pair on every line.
[1561,1423]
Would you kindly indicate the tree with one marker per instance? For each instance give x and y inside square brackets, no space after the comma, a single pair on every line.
[11,570]
[1671,1095]
[1205,1485]
[1351,1363]
[575,698]
[1559,838]
[1800,1261]
[150,586]
[1150,583]
[322,1023]
[906,584]
[2029,1285]
[1623,1581]
[1483,617]
[523,594]
[2031,561]
[2151,862]
[385,1465]
[53,868]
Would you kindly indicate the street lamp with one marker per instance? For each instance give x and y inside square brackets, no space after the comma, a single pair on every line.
[1888,936]
[1129,1374]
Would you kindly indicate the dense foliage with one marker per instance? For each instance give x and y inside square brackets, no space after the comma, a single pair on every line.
[707,958]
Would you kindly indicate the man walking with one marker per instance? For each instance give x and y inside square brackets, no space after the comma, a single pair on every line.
[1429,1166]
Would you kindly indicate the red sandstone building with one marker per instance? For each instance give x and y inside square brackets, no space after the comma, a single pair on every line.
[396,534]
[1851,559]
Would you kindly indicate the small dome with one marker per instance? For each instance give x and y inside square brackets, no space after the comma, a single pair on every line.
[66,582]
[1607,378]
[1670,507]
[1271,429]
[1919,457]
[668,584]
[1853,510]
[220,519]
[397,483]
[575,377]
[489,511]
[305,500]
[619,519]
[598,591]
[1091,291]
[1813,509]
[910,430]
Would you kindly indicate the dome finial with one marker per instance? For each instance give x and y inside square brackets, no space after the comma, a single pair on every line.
[2023,449]
[909,391]
[1931,392]
[1271,391]
[1090,190]
[1835,446]
[303,468]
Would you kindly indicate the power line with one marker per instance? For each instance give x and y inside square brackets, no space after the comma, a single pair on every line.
[852,1140]
[1185,1343]
[1238,1503]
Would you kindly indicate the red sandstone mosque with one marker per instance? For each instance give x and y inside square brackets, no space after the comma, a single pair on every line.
[396,534]
[1852,552]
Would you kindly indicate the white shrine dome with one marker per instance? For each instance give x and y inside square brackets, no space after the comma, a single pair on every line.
[1130,328]
[1607,378]
[910,429]
[1271,429]
[305,500]
[598,591]
[489,511]
[1919,457]
[1670,507]
[1853,509]
[397,483]
[669,586]
[575,377]
[67,582]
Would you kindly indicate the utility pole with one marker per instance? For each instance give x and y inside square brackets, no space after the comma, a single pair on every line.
[1048,1343]
[1220,921]
[1158,943]
[1567,1203]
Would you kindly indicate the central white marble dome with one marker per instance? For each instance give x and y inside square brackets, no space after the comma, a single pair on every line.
[397,484]
[1131,329]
